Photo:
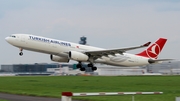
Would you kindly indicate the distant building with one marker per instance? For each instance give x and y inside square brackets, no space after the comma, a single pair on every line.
[27,67]
[115,71]
[172,67]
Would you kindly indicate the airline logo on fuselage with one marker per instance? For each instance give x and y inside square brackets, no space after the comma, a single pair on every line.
[49,40]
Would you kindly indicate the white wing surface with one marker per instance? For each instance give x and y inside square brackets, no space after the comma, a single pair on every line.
[106,52]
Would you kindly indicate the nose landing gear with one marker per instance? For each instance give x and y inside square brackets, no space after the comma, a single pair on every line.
[21,53]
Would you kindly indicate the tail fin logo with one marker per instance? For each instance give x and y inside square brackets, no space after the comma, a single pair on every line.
[153,51]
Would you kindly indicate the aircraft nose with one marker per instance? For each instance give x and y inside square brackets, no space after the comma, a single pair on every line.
[6,38]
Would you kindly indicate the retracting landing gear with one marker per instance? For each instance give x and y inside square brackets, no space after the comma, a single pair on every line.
[92,66]
[79,65]
[21,53]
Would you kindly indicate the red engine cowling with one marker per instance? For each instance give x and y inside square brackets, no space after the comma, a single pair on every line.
[58,58]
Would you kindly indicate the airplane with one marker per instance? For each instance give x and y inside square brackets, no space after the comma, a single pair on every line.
[64,51]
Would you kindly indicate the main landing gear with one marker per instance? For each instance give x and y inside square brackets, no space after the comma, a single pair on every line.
[92,66]
[21,53]
[79,65]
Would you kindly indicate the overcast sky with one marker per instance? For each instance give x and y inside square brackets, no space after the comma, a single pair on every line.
[105,23]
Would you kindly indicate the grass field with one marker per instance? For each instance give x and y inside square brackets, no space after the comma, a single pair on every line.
[3,100]
[52,86]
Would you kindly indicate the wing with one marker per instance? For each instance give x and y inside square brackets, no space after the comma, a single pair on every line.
[99,53]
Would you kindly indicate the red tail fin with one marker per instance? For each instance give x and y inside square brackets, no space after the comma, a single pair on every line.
[154,50]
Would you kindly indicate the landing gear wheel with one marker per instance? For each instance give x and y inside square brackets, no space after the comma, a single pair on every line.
[82,69]
[78,66]
[90,65]
[21,53]
[94,68]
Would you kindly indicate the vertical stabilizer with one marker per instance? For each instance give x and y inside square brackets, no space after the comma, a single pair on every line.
[154,50]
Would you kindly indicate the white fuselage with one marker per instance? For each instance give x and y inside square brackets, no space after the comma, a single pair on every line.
[61,48]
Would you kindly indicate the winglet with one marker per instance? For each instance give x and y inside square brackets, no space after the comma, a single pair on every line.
[146,44]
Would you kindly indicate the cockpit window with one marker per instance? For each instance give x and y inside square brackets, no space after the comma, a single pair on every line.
[13,36]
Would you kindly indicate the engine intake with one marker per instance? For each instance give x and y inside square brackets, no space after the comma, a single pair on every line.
[78,56]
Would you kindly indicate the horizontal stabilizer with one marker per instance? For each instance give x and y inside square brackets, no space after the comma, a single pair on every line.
[158,60]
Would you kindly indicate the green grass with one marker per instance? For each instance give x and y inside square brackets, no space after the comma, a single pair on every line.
[3,100]
[52,86]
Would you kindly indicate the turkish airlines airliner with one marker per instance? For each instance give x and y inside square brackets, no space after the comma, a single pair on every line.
[63,51]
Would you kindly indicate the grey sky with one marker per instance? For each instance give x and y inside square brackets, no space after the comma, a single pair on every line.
[106,24]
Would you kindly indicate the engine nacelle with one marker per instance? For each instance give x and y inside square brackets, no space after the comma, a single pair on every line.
[78,56]
[58,58]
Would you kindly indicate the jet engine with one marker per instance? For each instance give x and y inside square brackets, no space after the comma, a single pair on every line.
[58,58]
[78,56]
